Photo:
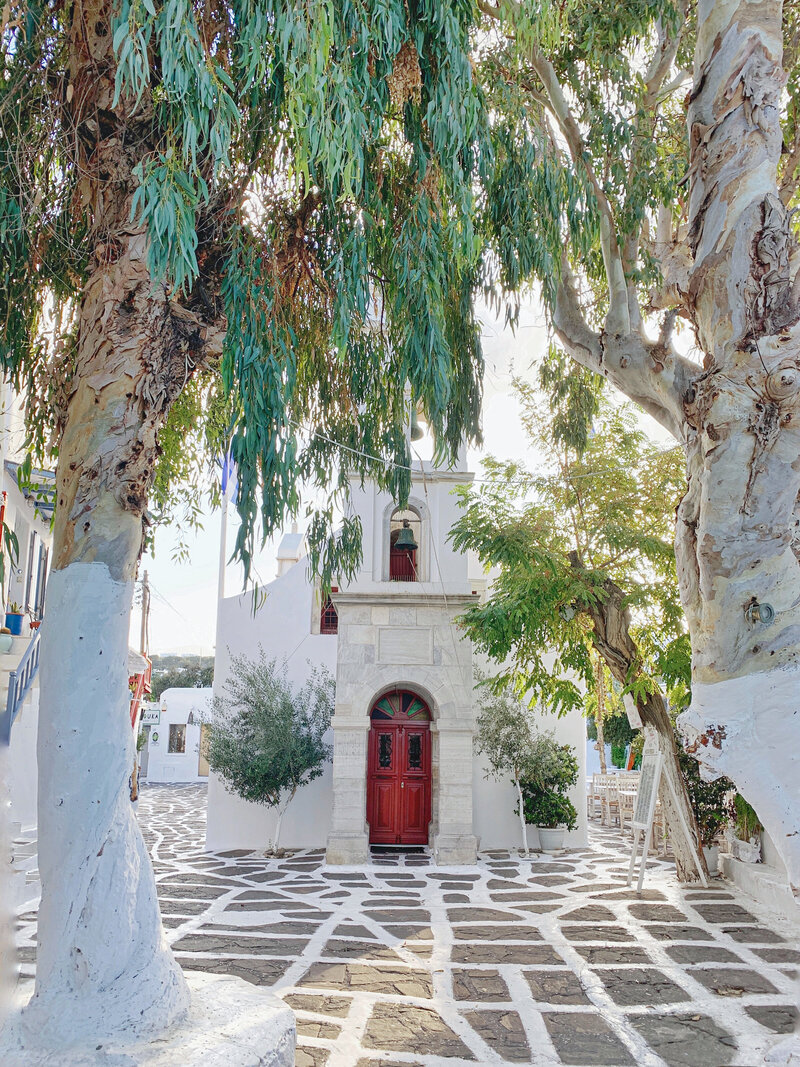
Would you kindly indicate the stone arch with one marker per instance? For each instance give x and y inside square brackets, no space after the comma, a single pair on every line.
[419,507]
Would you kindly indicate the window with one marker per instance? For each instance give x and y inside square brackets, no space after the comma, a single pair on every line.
[329,617]
[404,539]
[177,737]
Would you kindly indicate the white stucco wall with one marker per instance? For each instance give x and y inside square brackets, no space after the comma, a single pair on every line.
[22,766]
[166,766]
[281,626]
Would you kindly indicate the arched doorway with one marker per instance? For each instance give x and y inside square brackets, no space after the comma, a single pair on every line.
[399,770]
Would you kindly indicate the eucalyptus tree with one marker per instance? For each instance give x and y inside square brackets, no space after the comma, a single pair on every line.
[648,174]
[586,570]
[243,222]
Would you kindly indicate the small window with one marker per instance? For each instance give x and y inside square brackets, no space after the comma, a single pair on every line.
[329,617]
[177,737]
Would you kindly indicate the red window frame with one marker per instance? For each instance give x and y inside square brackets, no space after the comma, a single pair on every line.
[329,616]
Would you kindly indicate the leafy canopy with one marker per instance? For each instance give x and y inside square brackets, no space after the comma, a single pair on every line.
[266,737]
[306,174]
[600,511]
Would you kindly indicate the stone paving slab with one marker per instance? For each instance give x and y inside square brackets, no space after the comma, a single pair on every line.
[540,960]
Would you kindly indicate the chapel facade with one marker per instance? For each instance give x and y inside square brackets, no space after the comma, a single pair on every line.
[404,772]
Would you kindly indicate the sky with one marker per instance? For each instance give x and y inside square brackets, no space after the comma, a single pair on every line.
[184,594]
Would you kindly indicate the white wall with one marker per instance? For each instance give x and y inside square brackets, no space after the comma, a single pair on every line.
[22,766]
[281,626]
[495,819]
[166,766]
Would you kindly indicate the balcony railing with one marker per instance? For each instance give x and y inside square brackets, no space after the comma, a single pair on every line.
[19,685]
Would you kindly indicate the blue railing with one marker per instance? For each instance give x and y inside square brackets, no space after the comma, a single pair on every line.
[19,684]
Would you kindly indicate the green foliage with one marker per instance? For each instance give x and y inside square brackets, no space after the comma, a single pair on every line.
[616,730]
[541,203]
[549,809]
[618,752]
[504,735]
[602,511]
[184,672]
[308,174]
[708,799]
[745,820]
[551,772]
[266,738]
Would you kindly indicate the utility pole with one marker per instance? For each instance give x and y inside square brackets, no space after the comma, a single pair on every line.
[144,642]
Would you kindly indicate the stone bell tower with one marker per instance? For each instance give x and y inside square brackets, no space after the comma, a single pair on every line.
[403,722]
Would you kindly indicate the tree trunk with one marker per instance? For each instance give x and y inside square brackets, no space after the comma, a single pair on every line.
[737,538]
[103,965]
[612,639]
[600,711]
[522,817]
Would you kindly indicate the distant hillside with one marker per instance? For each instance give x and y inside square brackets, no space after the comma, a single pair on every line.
[182,672]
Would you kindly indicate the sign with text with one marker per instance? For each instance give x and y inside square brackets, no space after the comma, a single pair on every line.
[151,717]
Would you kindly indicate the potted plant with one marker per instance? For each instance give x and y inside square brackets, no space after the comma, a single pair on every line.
[14,617]
[709,802]
[550,772]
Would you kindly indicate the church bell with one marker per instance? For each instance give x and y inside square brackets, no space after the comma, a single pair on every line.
[416,430]
[405,539]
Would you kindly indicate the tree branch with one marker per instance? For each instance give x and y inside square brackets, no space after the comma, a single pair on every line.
[650,373]
[618,319]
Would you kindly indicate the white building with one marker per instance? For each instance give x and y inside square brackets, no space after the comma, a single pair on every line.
[27,513]
[403,771]
[173,729]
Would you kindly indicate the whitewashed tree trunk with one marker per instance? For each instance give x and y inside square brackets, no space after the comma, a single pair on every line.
[735,277]
[600,711]
[523,827]
[103,966]
[737,538]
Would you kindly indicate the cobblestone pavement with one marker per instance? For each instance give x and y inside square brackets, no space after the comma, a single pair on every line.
[543,961]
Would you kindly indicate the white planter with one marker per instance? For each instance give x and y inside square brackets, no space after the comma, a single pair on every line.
[747,851]
[551,839]
[711,853]
[6,641]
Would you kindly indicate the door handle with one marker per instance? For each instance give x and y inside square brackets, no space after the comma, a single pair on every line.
[402,785]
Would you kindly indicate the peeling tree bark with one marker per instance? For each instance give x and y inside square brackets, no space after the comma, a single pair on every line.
[737,525]
[104,969]
[732,272]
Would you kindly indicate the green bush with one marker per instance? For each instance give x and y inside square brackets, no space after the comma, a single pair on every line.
[266,738]
[549,776]
[618,753]
[744,818]
[549,810]
[707,798]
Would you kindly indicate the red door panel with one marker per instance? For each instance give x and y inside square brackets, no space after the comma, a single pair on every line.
[384,810]
[399,775]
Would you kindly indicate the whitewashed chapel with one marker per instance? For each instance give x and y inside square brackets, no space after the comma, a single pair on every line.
[403,771]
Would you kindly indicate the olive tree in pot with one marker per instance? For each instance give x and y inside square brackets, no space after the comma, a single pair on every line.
[551,771]
[505,738]
[266,736]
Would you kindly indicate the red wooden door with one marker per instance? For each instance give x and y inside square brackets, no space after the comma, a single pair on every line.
[399,771]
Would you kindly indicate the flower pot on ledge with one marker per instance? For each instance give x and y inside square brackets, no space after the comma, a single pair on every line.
[14,622]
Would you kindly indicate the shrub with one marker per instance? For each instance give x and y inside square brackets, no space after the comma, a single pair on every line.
[550,809]
[550,773]
[265,739]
